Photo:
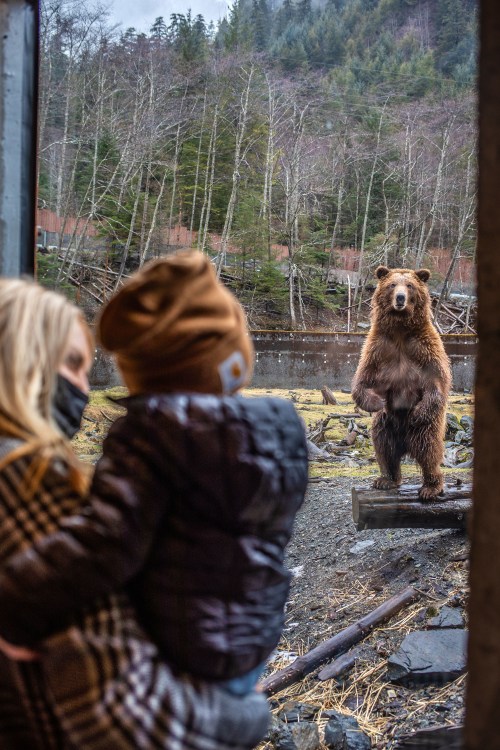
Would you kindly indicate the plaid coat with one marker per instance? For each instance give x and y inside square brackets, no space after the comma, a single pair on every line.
[100,684]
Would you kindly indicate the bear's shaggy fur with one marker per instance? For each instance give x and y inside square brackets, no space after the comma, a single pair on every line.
[404,376]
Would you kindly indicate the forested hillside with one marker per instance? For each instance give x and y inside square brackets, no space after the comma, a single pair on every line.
[294,139]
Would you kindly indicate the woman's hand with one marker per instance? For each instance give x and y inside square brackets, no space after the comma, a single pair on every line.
[18,653]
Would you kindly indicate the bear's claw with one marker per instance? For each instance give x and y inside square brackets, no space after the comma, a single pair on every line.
[384,483]
[429,493]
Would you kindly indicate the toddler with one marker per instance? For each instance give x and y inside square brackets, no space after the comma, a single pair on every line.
[193,501]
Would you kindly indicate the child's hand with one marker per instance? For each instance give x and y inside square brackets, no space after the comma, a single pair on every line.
[18,653]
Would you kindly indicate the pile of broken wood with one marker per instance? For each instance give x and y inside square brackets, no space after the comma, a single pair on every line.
[452,318]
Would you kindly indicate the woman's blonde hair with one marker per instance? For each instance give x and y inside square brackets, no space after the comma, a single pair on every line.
[35,326]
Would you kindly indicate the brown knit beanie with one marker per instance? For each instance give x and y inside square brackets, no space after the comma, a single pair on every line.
[175,327]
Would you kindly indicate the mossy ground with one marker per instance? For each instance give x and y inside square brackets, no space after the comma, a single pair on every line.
[102,411]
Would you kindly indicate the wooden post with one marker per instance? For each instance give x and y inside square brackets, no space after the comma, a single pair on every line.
[483,684]
[402,509]
[18,128]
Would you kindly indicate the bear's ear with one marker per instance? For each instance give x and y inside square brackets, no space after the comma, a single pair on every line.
[381,272]
[423,274]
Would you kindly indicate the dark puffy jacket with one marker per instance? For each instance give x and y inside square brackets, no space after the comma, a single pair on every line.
[192,505]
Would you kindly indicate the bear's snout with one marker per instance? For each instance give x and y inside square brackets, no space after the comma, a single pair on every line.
[400,298]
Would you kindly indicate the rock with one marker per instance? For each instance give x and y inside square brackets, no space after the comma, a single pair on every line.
[360,547]
[447,618]
[452,425]
[429,657]
[342,732]
[467,423]
[302,735]
[294,711]
[457,456]
[434,738]
[316,453]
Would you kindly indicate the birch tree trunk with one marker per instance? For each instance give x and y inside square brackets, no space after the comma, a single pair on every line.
[468,210]
[197,170]
[209,183]
[175,170]
[240,134]
[130,236]
[425,236]
[362,270]
[266,211]
[292,202]
[144,253]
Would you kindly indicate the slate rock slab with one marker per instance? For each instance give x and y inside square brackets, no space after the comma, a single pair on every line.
[302,735]
[342,732]
[434,738]
[429,657]
[448,617]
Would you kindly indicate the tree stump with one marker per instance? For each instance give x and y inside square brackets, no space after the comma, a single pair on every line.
[328,397]
[402,508]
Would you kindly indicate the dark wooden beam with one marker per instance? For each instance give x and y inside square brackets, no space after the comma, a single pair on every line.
[483,684]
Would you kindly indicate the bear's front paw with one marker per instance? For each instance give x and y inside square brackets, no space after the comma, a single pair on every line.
[384,483]
[373,402]
[421,417]
[430,492]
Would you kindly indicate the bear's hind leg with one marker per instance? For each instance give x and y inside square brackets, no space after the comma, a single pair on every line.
[389,450]
[428,453]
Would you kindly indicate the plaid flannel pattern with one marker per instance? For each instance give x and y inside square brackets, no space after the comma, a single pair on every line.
[100,684]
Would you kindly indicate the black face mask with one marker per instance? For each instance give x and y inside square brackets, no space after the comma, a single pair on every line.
[68,405]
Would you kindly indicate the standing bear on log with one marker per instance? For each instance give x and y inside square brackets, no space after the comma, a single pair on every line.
[404,376]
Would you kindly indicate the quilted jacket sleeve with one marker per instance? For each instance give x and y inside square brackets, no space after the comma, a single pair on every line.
[93,553]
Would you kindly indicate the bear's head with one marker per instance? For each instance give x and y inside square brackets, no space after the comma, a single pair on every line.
[401,292]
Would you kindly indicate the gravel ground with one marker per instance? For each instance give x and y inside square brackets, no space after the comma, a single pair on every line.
[336,581]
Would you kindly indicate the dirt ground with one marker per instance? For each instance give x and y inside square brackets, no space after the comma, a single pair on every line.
[336,581]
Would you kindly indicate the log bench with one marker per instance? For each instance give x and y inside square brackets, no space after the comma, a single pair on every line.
[401,508]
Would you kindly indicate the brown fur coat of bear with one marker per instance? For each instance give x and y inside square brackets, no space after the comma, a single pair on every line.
[404,376]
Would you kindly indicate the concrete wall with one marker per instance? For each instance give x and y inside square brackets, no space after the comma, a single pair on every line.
[287,359]
[311,360]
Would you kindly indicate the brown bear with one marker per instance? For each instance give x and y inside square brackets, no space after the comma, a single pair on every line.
[404,376]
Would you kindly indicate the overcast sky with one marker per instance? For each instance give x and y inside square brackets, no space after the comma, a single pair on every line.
[142,13]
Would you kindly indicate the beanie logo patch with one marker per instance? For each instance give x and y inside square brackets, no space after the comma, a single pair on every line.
[233,372]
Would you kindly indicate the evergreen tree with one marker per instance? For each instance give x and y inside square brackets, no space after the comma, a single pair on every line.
[304,10]
[159,30]
[284,16]
[452,22]
[262,24]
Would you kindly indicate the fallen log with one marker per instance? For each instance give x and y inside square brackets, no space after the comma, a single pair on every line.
[338,644]
[402,508]
[434,738]
[339,666]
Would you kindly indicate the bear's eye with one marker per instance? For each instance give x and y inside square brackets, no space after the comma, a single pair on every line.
[410,286]
[393,286]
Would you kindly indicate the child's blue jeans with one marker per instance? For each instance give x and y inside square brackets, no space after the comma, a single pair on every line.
[243,684]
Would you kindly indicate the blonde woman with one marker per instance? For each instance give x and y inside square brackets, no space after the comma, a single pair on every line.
[100,684]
